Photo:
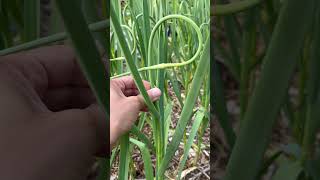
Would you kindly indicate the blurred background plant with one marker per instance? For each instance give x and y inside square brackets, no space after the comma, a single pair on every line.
[266,89]
[27,24]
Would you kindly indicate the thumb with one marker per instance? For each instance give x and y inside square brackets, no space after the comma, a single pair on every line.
[154,94]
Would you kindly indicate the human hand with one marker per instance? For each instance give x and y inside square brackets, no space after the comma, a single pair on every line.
[50,125]
[125,105]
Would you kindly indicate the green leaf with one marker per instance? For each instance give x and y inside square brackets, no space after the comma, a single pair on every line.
[194,129]
[313,99]
[124,157]
[90,10]
[266,164]
[56,24]
[167,121]
[104,169]
[313,166]
[288,170]
[14,9]
[142,137]
[88,55]
[219,104]
[31,23]
[5,25]
[145,157]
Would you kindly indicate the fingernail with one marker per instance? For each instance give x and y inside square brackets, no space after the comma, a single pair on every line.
[155,93]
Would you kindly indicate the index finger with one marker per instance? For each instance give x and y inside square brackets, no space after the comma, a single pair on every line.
[127,82]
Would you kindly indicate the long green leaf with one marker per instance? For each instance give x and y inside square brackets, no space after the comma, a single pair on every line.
[219,104]
[266,164]
[104,168]
[167,121]
[124,157]
[232,34]
[145,157]
[195,126]
[248,56]
[146,24]
[90,10]
[313,166]
[288,170]
[56,24]
[31,23]
[5,25]
[89,56]
[313,114]
[142,137]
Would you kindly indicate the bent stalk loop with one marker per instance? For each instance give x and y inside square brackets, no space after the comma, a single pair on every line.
[170,65]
